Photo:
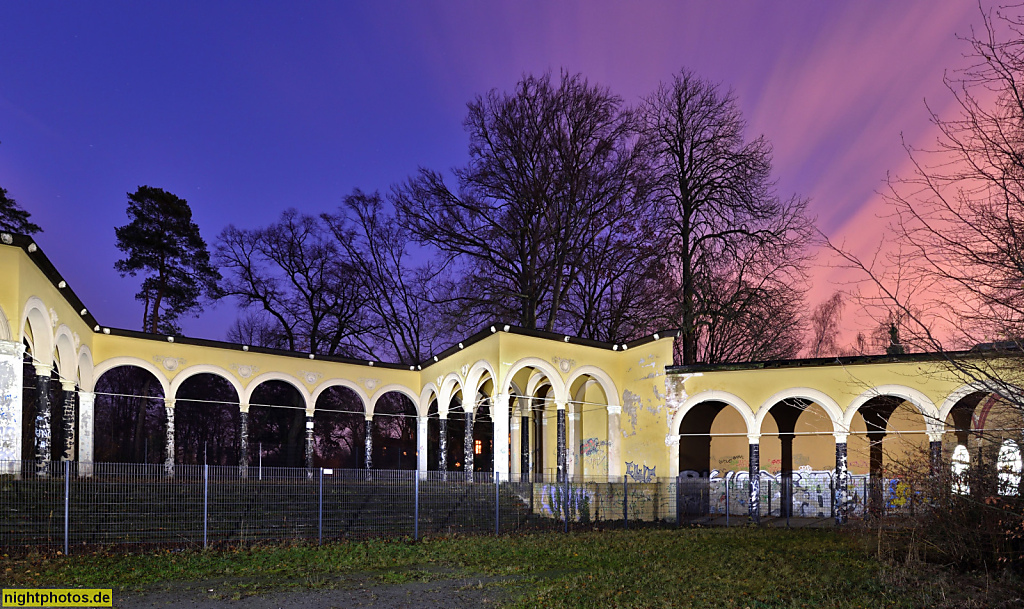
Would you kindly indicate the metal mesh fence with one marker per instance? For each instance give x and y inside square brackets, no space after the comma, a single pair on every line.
[67,505]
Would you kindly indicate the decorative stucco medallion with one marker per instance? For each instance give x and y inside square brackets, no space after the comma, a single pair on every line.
[370,384]
[244,370]
[464,370]
[53,318]
[169,363]
[310,377]
[565,365]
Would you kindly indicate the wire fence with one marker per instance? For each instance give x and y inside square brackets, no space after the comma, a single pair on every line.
[69,507]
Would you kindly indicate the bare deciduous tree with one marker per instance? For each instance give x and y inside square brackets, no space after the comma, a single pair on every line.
[306,294]
[825,327]
[554,168]
[736,250]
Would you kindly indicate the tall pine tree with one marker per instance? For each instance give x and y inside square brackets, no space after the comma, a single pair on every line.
[163,244]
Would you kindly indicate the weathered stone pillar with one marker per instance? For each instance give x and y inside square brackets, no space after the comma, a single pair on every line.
[500,416]
[368,444]
[560,448]
[169,437]
[935,452]
[524,456]
[572,444]
[614,442]
[68,420]
[42,430]
[467,444]
[11,383]
[754,504]
[86,431]
[841,480]
[442,444]
[243,438]
[421,443]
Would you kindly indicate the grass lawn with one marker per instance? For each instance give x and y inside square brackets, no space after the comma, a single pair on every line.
[739,567]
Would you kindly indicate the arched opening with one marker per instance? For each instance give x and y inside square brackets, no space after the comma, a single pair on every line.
[394,432]
[206,421]
[1008,466]
[456,444]
[277,425]
[887,439]
[339,429]
[587,429]
[959,465]
[131,420]
[483,435]
[433,436]
[988,428]
[544,436]
[797,450]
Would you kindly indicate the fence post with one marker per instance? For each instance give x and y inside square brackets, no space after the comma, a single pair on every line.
[788,482]
[416,507]
[67,503]
[566,506]
[832,495]
[206,500]
[497,503]
[320,511]
[625,504]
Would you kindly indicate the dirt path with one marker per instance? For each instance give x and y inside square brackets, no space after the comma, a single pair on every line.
[444,593]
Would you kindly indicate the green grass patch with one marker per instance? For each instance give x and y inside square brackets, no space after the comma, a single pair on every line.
[648,568]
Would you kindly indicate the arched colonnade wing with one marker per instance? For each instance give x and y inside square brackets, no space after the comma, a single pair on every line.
[553,405]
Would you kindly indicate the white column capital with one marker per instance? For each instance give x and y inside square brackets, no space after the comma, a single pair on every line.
[614,409]
[43,370]
[243,407]
[368,417]
[501,398]
[169,403]
[559,405]
[67,386]
[935,436]
[753,438]
[11,348]
[841,436]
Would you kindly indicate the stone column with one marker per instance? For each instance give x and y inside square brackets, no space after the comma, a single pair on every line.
[309,440]
[515,443]
[467,443]
[572,444]
[560,448]
[524,455]
[754,504]
[935,452]
[841,480]
[368,444]
[500,416]
[442,444]
[614,443]
[68,420]
[243,438]
[42,430]
[421,443]
[11,382]
[86,431]
[169,438]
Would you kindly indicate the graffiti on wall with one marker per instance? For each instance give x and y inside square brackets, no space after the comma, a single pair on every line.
[639,472]
[10,425]
[594,453]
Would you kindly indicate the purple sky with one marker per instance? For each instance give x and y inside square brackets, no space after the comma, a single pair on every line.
[246,108]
